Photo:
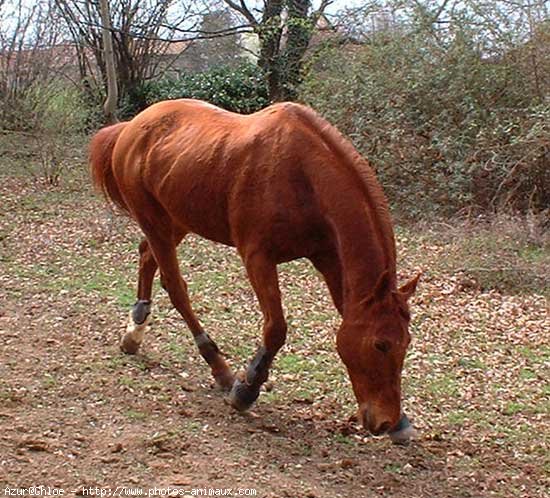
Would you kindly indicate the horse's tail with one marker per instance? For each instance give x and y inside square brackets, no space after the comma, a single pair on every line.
[101,163]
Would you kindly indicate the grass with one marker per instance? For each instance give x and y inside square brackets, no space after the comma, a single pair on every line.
[135,415]
[393,468]
[444,385]
[292,363]
[342,439]
[127,381]
[81,274]
[513,407]
[506,253]
[472,364]
[457,417]
[49,382]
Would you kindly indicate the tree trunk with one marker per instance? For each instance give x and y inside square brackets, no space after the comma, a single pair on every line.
[110,105]
[269,33]
[300,29]
[281,59]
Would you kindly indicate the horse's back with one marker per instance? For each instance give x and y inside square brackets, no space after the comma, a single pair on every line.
[231,178]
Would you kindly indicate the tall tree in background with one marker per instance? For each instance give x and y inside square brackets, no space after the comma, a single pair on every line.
[110,104]
[216,43]
[284,29]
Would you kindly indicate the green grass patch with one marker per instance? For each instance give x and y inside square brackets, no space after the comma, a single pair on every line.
[457,417]
[393,468]
[472,364]
[502,254]
[135,415]
[292,363]
[444,385]
[527,374]
[49,381]
[513,407]
[341,439]
[70,273]
[127,381]
[538,355]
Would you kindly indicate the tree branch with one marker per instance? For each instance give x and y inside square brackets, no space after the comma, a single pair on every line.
[243,10]
[315,16]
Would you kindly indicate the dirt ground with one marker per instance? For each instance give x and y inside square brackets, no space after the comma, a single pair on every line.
[77,413]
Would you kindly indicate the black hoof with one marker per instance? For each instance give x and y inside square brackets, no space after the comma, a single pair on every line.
[242,397]
[140,311]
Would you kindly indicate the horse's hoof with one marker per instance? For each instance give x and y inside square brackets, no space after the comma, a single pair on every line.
[242,397]
[133,337]
[404,436]
[128,345]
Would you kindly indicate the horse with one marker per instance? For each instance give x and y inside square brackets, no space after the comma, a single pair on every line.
[278,185]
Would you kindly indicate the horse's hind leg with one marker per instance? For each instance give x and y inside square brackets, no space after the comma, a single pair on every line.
[140,312]
[164,251]
[263,276]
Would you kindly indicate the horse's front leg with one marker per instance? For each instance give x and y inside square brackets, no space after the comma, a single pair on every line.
[262,273]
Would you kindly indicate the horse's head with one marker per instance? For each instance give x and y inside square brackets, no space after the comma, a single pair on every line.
[372,344]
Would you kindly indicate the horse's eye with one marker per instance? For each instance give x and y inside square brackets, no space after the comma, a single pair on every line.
[383,346]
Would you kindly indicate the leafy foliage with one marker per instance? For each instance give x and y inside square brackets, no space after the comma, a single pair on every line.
[284,30]
[240,89]
[446,126]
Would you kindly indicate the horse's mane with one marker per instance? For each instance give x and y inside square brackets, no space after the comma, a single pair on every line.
[359,167]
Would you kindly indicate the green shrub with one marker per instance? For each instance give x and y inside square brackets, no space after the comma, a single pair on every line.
[241,89]
[54,108]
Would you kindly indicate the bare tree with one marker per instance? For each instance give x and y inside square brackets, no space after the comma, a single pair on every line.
[284,29]
[215,43]
[140,35]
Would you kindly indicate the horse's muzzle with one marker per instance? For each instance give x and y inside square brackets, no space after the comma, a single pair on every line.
[376,427]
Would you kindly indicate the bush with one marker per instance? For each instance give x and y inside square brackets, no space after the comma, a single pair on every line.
[446,128]
[53,114]
[241,89]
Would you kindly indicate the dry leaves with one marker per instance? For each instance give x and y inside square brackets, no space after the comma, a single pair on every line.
[75,410]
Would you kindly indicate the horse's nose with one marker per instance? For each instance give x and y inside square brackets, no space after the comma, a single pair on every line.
[383,427]
[375,427]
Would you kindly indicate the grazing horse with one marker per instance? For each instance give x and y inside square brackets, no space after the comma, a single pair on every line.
[278,185]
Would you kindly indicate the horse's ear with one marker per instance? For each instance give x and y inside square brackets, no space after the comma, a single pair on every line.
[408,289]
[383,285]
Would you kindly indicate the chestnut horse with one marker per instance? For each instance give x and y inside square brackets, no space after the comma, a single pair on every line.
[278,185]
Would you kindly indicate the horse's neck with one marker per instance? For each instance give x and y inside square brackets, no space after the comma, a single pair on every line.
[363,251]
[357,210]
[364,233]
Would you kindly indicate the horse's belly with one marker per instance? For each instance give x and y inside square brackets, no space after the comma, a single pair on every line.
[288,242]
[204,217]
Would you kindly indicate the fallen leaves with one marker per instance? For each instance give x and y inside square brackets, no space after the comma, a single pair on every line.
[76,409]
